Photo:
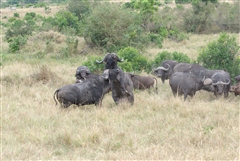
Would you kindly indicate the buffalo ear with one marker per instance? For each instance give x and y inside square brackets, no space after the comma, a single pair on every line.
[105,74]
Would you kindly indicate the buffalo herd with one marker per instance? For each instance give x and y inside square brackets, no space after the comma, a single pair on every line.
[184,79]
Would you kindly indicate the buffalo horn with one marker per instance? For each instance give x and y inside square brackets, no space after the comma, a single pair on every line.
[99,62]
[162,68]
[221,82]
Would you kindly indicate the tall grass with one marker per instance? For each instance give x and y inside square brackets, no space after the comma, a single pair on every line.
[155,127]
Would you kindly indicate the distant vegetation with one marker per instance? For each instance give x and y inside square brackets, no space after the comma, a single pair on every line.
[117,27]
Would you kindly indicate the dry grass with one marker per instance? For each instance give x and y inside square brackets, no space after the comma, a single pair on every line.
[191,46]
[155,127]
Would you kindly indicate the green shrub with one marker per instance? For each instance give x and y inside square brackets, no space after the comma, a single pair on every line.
[165,55]
[92,65]
[16,14]
[198,19]
[112,27]
[63,19]
[16,43]
[133,60]
[80,8]
[221,54]
[20,28]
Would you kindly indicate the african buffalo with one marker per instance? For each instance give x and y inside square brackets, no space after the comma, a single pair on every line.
[165,71]
[83,73]
[121,85]
[110,60]
[143,82]
[187,67]
[90,91]
[237,78]
[235,89]
[221,83]
[185,84]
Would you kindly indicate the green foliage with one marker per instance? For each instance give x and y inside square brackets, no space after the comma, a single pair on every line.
[112,27]
[157,39]
[16,14]
[80,8]
[182,1]
[92,65]
[165,55]
[221,54]
[145,6]
[20,28]
[16,43]
[227,17]
[199,18]
[133,60]
[63,19]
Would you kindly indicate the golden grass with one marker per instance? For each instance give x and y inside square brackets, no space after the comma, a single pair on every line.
[191,46]
[155,127]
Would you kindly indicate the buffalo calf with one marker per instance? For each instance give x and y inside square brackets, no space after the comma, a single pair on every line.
[143,82]
[235,89]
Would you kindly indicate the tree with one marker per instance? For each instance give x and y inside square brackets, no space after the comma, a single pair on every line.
[222,54]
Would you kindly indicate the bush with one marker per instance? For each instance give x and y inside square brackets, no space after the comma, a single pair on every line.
[93,66]
[221,54]
[20,28]
[199,18]
[63,19]
[16,14]
[16,43]
[112,28]
[165,55]
[133,60]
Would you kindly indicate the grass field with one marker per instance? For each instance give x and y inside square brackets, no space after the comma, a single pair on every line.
[158,127]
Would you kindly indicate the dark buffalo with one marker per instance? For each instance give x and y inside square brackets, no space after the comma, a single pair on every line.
[83,73]
[165,71]
[110,60]
[221,83]
[186,84]
[235,89]
[90,91]
[143,82]
[205,73]
[188,68]
[237,78]
[121,85]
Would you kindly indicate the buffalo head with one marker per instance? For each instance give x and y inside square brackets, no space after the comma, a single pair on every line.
[110,60]
[82,72]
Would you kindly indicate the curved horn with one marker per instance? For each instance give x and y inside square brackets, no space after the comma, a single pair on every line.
[221,82]
[162,68]
[99,62]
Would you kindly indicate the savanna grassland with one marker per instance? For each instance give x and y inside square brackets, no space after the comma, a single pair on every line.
[157,126]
